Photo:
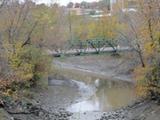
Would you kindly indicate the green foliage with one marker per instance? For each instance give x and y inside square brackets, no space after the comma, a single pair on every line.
[106,27]
[23,29]
[28,63]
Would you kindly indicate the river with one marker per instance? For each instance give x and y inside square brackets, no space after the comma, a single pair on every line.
[82,91]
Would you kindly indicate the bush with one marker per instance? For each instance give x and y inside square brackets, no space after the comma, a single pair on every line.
[29,64]
[148,83]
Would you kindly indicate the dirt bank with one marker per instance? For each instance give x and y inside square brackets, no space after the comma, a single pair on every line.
[104,66]
[51,104]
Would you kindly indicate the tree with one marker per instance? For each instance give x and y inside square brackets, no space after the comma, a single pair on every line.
[105,4]
[77,5]
[2,3]
[18,28]
[70,5]
[84,5]
[144,35]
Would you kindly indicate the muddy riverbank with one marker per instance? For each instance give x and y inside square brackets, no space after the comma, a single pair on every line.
[102,66]
[90,69]
[97,80]
[89,88]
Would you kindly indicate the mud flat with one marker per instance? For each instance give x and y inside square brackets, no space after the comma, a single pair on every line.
[90,88]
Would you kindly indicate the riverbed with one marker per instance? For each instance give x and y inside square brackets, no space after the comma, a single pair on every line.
[89,84]
[86,88]
[89,88]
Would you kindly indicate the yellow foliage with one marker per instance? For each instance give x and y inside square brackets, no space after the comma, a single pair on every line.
[140,76]
[149,49]
[105,27]
[26,62]
[147,79]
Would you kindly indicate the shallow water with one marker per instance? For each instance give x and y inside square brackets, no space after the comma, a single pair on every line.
[90,90]
[97,95]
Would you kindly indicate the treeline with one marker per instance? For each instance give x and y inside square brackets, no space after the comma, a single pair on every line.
[27,30]
[102,4]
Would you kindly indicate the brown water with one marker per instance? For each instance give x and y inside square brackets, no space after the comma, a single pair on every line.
[107,96]
[89,90]
[94,93]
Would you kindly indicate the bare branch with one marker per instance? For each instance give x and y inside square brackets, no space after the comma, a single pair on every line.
[29,35]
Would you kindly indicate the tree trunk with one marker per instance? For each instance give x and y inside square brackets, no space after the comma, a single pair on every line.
[141,59]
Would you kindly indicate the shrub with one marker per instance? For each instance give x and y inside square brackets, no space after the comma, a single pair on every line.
[148,80]
[29,64]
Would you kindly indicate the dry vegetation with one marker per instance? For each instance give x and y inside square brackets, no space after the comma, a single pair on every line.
[22,61]
[26,29]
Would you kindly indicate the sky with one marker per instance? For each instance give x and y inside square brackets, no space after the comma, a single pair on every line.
[63,2]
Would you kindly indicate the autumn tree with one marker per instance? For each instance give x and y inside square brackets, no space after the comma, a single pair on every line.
[143,36]
[150,35]
[23,56]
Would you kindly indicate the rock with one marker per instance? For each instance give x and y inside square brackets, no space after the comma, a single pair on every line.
[116,115]
[40,113]
[4,115]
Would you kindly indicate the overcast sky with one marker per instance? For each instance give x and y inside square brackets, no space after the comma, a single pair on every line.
[63,2]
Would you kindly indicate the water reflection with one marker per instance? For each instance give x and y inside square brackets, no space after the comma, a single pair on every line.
[109,96]
[96,92]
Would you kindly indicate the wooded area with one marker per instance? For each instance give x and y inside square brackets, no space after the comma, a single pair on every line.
[27,30]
